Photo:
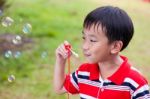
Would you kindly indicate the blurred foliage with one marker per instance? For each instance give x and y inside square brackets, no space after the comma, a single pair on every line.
[3,4]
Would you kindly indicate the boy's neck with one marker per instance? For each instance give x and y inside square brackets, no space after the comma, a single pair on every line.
[110,67]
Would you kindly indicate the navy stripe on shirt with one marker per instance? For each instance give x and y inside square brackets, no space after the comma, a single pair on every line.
[83,76]
[129,85]
[141,94]
[74,77]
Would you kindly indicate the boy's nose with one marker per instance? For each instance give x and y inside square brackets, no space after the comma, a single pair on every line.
[85,46]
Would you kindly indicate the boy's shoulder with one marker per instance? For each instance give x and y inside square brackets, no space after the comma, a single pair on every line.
[136,76]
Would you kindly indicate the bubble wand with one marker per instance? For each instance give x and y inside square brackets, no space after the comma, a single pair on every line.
[69,51]
[68,47]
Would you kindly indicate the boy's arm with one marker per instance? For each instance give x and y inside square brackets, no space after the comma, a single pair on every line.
[59,71]
[59,77]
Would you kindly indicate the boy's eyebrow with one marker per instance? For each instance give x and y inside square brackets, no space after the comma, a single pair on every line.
[89,35]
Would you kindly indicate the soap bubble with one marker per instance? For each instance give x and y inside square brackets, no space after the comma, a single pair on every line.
[17,40]
[8,54]
[7,21]
[44,54]
[27,28]
[17,54]
[11,78]
[1,12]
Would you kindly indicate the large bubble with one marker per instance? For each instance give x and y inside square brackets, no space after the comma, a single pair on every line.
[7,21]
[27,28]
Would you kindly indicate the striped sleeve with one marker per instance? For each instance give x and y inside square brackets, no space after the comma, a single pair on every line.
[71,83]
[142,93]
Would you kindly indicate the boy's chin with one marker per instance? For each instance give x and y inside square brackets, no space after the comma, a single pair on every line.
[91,61]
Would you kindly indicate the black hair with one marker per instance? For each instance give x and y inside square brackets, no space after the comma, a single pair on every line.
[115,23]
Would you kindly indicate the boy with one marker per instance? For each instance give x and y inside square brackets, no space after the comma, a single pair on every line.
[107,75]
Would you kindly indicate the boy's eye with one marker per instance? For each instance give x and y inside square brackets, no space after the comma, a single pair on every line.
[93,40]
[83,38]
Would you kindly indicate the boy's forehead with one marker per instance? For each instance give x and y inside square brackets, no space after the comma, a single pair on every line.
[93,29]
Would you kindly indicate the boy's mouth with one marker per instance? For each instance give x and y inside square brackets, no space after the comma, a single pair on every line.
[87,55]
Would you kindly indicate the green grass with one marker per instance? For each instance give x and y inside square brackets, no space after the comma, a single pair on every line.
[54,21]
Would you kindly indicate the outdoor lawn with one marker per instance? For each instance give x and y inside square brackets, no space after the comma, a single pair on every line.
[31,56]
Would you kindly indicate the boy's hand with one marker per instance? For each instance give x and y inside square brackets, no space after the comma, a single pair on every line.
[62,52]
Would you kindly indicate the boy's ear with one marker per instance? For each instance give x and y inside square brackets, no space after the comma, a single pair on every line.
[116,47]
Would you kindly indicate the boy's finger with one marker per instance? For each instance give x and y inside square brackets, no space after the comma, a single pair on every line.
[61,52]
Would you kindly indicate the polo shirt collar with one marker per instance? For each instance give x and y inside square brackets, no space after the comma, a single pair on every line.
[118,77]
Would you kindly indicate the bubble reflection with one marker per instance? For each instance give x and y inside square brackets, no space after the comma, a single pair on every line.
[11,78]
[1,12]
[17,40]
[8,54]
[17,54]
[44,54]
[7,21]
[27,28]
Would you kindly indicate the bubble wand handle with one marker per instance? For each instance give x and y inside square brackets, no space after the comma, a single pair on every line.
[68,47]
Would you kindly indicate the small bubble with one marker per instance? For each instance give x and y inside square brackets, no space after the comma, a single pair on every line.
[44,54]
[11,78]
[7,21]
[1,12]
[8,54]
[17,54]
[17,39]
[27,28]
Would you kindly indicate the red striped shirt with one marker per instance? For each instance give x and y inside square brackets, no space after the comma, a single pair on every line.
[125,83]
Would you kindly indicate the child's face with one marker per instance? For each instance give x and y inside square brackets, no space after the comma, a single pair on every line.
[95,45]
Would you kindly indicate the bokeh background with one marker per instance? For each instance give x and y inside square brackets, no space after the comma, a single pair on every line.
[31,30]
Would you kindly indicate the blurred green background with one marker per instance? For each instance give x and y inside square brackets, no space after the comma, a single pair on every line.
[54,21]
